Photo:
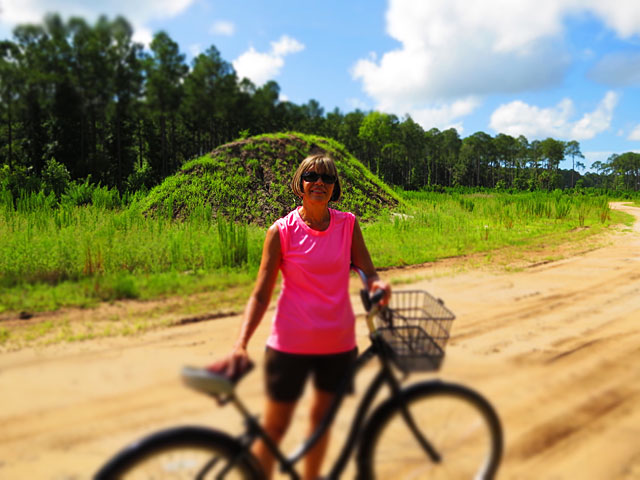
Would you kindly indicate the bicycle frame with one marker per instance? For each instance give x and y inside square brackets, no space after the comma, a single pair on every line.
[384,376]
[286,464]
[369,420]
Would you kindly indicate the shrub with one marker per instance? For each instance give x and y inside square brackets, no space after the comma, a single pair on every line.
[20,179]
[78,194]
[141,178]
[55,177]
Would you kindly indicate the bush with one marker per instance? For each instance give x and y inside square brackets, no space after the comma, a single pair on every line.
[78,194]
[20,179]
[141,179]
[55,178]
[103,197]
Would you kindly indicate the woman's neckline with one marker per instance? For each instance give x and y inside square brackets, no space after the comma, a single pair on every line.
[316,230]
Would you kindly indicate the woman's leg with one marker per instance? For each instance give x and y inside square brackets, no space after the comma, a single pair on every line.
[277,417]
[313,461]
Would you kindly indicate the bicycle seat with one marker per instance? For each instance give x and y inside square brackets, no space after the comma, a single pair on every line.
[205,381]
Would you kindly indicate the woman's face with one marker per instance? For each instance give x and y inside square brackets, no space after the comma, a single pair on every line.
[317,185]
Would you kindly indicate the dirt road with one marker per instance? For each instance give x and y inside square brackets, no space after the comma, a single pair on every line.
[555,346]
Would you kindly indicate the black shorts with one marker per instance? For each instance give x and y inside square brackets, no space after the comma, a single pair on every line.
[286,373]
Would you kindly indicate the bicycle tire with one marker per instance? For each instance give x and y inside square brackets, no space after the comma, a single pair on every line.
[461,425]
[183,452]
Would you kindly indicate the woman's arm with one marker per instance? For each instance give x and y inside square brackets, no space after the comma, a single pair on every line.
[256,306]
[360,258]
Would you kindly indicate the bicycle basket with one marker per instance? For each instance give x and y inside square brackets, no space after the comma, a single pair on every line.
[415,327]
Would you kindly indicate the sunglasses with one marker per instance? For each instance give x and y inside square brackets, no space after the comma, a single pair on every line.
[314,176]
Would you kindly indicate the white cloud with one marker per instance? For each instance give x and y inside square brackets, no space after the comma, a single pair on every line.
[142,35]
[623,16]
[20,11]
[286,45]
[138,13]
[597,121]
[260,67]
[257,67]
[445,115]
[32,11]
[452,49]
[635,134]
[518,118]
[222,27]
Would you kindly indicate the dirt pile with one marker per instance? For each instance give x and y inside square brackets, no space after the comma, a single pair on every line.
[249,181]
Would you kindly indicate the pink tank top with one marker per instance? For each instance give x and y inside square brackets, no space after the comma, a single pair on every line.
[314,314]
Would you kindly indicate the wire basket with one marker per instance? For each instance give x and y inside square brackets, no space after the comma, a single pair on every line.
[415,327]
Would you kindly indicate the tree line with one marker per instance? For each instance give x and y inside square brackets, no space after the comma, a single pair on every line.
[83,101]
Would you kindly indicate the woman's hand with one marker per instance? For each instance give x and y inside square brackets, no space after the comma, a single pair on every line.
[233,365]
[378,284]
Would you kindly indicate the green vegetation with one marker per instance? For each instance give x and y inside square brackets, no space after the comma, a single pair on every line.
[200,233]
[59,256]
[433,225]
[258,172]
[106,190]
[82,101]
[52,257]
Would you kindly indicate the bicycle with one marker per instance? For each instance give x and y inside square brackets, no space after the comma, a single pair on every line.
[428,429]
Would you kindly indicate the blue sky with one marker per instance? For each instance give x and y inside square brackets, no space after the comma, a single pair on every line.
[569,69]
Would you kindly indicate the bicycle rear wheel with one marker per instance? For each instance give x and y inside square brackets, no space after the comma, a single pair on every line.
[183,453]
[460,425]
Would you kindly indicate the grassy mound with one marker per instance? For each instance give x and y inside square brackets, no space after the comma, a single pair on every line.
[249,181]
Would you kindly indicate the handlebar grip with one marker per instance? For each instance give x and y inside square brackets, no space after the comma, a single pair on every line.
[377,296]
[369,300]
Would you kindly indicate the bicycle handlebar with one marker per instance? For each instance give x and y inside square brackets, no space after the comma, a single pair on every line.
[369,301]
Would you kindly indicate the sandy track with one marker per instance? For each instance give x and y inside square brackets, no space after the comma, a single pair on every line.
[556,347]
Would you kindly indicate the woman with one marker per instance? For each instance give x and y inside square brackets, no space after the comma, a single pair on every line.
[313,331]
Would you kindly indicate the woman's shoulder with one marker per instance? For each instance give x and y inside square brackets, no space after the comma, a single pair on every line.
[288,219]
[342,216]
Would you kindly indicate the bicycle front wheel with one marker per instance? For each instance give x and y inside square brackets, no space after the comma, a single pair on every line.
[183,453]
[458,423]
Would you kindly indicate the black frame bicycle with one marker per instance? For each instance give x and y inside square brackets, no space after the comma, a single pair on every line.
[429,429]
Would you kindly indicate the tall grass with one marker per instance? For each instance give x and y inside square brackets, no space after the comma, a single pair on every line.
[436,225]
[47,244]
[55,253]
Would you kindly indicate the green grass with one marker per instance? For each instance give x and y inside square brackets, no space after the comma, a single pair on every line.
[52,257]
[258,172]
[434,226]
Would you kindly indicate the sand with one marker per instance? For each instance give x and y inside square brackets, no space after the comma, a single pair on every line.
[554,345]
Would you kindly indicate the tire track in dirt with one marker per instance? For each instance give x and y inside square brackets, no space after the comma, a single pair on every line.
[566,363]
[554,347]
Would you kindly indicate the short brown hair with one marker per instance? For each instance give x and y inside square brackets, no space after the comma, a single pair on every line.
[323,163]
